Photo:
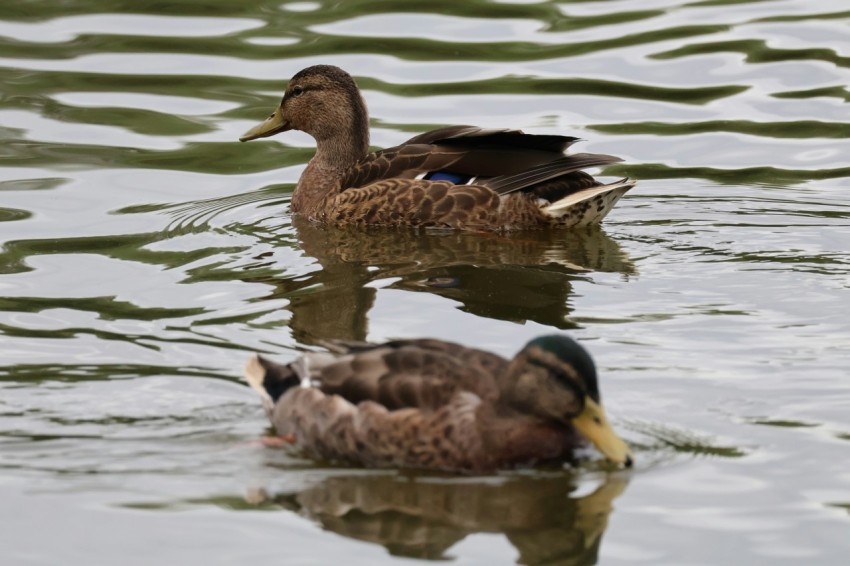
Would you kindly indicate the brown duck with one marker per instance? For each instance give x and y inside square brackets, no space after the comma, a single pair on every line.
[437,405]
[455,177]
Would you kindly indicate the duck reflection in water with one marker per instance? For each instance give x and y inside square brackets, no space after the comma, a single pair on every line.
[524,276]
[423,517]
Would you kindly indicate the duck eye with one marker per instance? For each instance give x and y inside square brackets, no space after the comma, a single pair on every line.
[297,90]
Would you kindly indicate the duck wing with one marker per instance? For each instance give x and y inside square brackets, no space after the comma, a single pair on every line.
[423,373]
[561,167]
[472,136]
[463,150]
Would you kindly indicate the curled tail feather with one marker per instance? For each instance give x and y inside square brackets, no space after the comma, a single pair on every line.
[270,380]
[590,205]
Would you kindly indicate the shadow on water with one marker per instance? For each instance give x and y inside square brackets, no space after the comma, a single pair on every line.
[518,277]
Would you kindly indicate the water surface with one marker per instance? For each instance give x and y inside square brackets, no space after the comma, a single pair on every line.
[145,253]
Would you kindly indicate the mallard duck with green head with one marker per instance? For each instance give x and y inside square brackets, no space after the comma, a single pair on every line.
[460,177]
[435,405]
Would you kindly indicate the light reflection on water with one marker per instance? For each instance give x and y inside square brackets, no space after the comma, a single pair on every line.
[145,252]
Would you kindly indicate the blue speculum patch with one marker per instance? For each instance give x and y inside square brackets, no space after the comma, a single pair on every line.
[447,176]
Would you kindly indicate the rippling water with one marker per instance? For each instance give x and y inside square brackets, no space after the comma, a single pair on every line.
[145,253]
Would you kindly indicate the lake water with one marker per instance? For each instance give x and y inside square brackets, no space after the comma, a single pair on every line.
[145,253]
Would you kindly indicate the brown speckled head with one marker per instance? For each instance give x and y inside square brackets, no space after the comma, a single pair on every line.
[551,377]
[322,101]
[554,378]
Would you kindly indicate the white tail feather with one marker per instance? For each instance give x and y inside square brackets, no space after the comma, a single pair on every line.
[255,373]
[598,203]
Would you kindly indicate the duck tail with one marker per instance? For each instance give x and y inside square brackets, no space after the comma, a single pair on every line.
[271,380]
[591,205]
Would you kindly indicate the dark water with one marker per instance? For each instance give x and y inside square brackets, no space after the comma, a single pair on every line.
[145,253]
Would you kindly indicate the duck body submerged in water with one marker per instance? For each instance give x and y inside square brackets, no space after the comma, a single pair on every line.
[435,405]
[460,177]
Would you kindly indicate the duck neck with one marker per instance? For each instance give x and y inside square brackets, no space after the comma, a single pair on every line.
[524,388]
[341,150]
[341,142]
[509,386]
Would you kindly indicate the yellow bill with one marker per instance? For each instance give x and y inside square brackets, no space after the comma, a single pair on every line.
[272,125]
[593,425]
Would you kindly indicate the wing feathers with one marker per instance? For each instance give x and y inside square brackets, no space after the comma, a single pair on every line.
[424,374]
[385,188]
[493,137]
[465,150]
[567,164]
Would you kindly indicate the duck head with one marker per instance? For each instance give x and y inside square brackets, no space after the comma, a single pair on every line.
[554,378]
[322,101]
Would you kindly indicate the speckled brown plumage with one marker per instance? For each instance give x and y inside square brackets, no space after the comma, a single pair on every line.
[437,405]
[501,179]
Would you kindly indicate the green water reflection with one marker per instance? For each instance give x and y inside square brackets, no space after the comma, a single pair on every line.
[515,277]
[422,517]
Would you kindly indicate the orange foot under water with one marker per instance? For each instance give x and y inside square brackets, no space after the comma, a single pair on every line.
[277,441]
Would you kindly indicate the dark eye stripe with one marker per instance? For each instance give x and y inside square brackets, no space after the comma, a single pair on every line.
[292,94]
[574,382]
[557,372]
